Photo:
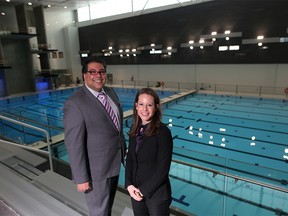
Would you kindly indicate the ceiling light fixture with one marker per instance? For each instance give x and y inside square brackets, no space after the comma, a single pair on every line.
[122,53]
[264,40]
[149,47]
[234,47]
[223,48]
[188,45]
[155,51]
[223,35]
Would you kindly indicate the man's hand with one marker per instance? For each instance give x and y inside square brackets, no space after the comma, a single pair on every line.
[83,187]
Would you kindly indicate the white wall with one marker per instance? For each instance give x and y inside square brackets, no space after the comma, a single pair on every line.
[165,73]
[237,74]
[271,75]
[55,22]
[72,52]
[282,75]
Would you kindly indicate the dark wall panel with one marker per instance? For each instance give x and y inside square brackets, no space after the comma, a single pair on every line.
[175,26]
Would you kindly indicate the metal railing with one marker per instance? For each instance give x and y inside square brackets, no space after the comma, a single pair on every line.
[209,87]
[48,139]
[236,178]
[225,193]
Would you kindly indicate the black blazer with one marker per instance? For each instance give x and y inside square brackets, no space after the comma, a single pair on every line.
[148,169]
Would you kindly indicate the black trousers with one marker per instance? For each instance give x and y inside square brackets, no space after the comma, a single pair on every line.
[149,207]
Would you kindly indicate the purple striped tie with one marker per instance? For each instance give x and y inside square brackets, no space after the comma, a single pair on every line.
[110,111]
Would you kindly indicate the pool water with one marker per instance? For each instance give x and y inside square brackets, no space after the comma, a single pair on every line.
[45,110]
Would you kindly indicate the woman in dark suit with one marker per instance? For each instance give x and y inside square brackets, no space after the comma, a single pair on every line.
[149,157]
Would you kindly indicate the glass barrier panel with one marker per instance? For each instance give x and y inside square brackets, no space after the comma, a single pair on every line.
[196,158]
[191,186]
[246,198]
[276,177]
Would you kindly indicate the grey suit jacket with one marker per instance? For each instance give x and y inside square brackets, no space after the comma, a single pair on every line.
[95,147]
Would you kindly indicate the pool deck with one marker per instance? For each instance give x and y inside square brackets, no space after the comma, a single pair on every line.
[271,96]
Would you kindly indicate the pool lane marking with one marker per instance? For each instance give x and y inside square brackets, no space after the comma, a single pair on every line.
[181,200]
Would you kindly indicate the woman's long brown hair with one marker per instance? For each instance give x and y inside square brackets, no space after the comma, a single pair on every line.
[155,123]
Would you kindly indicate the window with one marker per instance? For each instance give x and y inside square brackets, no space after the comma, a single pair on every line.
[116,7]
[83,14]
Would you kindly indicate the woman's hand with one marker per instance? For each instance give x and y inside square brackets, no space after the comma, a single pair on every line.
[135,193]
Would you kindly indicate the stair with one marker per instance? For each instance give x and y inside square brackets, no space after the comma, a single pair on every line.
[28,200]
[28,191]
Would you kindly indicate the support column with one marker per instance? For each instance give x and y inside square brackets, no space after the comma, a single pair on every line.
[41,35]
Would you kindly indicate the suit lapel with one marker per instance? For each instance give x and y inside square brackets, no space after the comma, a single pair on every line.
[98,103]
[114,98]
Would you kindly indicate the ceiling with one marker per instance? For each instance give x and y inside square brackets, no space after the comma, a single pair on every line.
[58,5]
[55,4]
[176,27]
[179,25]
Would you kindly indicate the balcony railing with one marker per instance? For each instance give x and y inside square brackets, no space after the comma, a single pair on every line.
[261,91]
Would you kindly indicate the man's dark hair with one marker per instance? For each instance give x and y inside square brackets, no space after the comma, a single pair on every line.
[90,60]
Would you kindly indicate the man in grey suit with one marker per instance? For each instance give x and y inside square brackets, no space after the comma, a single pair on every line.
[95,141]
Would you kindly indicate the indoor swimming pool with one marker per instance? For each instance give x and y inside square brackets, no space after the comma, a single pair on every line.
[45,110]
[246,130]
[241,136]
[216,138]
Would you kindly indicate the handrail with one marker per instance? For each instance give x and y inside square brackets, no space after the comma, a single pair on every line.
[35,128]
[245,90]
[216,172]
